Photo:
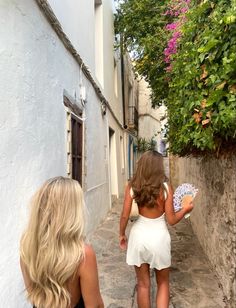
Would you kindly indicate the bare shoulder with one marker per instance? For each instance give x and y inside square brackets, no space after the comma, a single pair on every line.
[127,186]
[89,251]
[89,281]
[89,258]
[127,189]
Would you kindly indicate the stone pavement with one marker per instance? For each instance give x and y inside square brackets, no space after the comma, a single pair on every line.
[193,284]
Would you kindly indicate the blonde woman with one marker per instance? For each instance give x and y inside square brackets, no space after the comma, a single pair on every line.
[59,269]
[149,239]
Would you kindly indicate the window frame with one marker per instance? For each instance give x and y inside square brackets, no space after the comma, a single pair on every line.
[75,131]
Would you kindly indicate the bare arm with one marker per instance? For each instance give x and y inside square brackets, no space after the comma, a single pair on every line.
[89,282]
[172,216]
[125,217]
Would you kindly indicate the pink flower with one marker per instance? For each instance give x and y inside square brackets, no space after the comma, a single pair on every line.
[177,10]
[184,10]
[169,68]
[172,26]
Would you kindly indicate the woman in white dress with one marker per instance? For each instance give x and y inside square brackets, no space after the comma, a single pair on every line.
[149,240]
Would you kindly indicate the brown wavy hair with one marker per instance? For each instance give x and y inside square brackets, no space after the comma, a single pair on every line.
[148,179]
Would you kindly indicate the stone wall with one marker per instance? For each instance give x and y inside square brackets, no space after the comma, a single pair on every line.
[214,216]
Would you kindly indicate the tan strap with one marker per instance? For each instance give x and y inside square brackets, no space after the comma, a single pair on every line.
[131,192]
[166,190]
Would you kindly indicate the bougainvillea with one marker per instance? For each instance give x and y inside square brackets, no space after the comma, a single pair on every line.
[187,53]
[177,10]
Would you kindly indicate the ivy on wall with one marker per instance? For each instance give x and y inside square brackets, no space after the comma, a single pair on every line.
[199,83]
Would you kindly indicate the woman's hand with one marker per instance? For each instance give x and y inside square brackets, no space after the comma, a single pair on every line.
[187,203]
[172,216]
[123,242]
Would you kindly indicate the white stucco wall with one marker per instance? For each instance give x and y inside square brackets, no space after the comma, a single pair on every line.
[77,21]
[109,57]
[35,70]
[118,171]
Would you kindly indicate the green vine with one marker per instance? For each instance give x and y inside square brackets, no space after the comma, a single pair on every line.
[200,89]
[202,95]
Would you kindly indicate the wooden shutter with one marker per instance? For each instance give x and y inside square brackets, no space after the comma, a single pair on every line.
[76,151]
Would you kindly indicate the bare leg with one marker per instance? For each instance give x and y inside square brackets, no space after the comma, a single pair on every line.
[163,289]
[143,285]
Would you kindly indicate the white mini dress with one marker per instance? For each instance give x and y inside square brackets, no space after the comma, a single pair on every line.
[149,242]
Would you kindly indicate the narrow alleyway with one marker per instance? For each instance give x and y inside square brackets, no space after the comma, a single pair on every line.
[193,284]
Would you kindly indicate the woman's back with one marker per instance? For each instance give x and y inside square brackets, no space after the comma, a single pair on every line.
[155,211]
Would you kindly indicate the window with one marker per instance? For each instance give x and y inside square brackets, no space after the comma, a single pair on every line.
[74,141]
[76,148]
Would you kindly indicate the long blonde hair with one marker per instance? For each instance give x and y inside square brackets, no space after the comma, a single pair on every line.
[52,245]
[148,179]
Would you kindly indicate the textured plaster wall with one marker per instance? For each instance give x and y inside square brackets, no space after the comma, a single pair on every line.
[214,216]
[77,21]
[36,69]
[109,58]
[120,173]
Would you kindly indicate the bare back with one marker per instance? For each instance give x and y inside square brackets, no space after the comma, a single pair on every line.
[157,210]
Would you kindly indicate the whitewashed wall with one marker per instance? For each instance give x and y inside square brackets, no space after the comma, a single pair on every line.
[109,58]
[77,19]
[36,69]
[114,97]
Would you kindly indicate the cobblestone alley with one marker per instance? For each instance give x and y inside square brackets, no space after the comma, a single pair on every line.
[193,284]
